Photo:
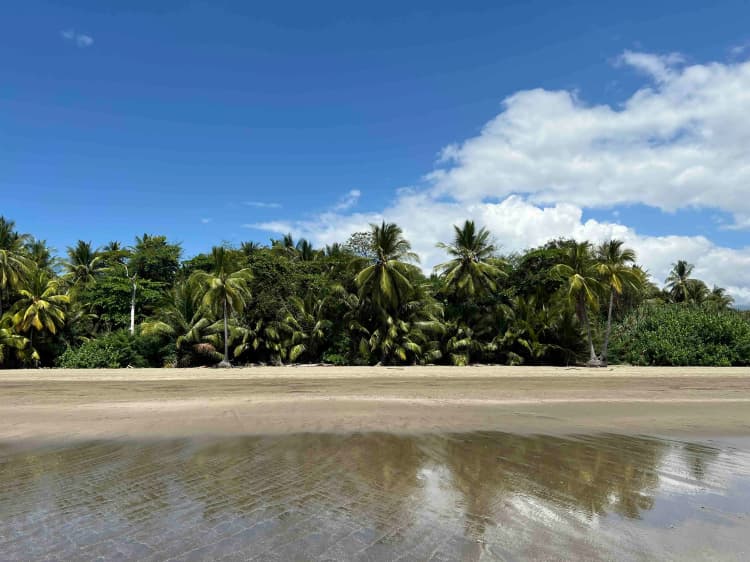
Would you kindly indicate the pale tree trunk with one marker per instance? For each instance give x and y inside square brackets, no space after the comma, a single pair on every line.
[585,317]
[132,310]
[226,334]
[605,347]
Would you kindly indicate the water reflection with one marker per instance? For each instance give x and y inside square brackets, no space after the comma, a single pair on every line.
[375,496]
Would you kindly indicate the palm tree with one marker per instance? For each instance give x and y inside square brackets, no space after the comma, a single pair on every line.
[183,318]
[305,250]
[40,253]
[10,340]
[616,268]
[469,273]
[84,264]
[578,271]
[40,306]
[385,282]
[10,239]
[225,290]
[678,281]
[719,299]
[13,271]
[308,325]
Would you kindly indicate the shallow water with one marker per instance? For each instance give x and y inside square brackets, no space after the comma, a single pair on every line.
[478,496]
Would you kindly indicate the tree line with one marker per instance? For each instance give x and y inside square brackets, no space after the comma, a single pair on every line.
[364,301]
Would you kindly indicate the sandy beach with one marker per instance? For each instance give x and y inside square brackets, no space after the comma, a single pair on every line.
[138,403]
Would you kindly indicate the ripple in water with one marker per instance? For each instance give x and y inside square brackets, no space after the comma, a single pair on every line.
[377,497]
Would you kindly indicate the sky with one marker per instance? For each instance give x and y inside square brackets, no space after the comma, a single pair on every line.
[229,121]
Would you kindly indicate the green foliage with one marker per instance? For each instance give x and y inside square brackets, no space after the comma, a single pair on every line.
[155,259]
[114,350]
[363,302]
[682,335]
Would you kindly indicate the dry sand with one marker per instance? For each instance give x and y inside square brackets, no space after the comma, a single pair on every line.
[142,403]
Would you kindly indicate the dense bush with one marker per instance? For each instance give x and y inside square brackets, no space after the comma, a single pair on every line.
[682,335]
[117,349]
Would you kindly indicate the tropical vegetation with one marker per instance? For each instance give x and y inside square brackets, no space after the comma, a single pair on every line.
[362,301]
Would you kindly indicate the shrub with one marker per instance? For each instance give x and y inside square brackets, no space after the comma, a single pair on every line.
[681,335]
[114,350]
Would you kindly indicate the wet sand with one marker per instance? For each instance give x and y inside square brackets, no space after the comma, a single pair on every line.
[134,403]
[370,497]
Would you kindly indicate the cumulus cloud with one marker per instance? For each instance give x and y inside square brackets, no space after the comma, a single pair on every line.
[681,141]
[80,39]
[518,224]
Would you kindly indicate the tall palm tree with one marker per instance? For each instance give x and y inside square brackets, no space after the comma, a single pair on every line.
[84,264]
[578,271]
[40,306]
[385,281]
[616,268]
[305,250]
[469,273]
[10,239]
[678,281]
[225,289]
[40,253]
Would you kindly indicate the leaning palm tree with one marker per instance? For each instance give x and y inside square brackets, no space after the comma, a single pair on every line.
[678,281]
[41,306]
[385,281]
[83,265]
[469,273]
[225,290]
[616,268]
[578,271]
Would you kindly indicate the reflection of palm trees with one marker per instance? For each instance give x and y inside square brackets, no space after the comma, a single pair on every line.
[272,492]
[594,475]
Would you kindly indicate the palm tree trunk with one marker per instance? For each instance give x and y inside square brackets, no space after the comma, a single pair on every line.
[609,327]
[132,311]
[585,318]
[226,333]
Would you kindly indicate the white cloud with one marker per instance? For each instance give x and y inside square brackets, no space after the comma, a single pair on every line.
[206,220]
[80,39]
[518,224]
[349,200]
[262,205]
[680,142]
[84,40]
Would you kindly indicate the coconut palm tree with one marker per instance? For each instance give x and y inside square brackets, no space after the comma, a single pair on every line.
[41,306]
[385,281]
[616,268]
[225,290]
[308,325]
[183,318]
[578,272]
[719,299]
[678,281]
[40,253]
[9,339]
[84,264]
[14,269]
[470,272]
[10,239]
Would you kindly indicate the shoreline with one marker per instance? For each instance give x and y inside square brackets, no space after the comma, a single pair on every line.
[59,404]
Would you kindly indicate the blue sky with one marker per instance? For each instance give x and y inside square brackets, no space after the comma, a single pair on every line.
[211,121]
